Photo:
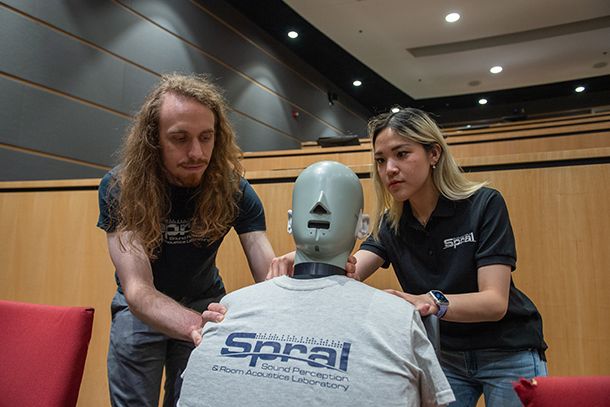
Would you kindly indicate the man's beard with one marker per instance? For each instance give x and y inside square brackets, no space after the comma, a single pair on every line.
[191,180]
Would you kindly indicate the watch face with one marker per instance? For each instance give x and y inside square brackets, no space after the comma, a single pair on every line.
[440,297]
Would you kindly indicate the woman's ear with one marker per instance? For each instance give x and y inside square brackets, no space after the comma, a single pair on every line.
[435,154]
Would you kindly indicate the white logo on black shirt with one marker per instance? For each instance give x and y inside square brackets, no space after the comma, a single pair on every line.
[176,231]
[456,241]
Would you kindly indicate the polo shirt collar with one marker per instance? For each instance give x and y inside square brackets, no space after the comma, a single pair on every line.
[444,208]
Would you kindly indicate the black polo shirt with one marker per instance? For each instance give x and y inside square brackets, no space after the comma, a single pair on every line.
[459,238]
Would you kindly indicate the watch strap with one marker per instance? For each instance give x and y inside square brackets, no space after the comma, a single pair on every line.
[442,309]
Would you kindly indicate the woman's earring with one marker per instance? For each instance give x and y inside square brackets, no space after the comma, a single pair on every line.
[434,167]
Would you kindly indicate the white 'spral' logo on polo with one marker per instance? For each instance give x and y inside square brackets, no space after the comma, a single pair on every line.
[246,345]
[456,241]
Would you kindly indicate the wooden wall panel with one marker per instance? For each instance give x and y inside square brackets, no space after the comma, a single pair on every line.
[253,163]
[589,122]
[561,225]
[531,145]
[556,135]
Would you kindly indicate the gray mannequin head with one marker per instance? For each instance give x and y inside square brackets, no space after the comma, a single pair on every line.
[326,216]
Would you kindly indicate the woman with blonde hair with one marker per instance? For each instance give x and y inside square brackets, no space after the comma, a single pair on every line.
[451,244]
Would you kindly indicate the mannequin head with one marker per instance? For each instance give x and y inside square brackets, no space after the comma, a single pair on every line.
[326,216]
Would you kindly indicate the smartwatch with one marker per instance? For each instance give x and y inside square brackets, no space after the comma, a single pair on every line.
[439,299]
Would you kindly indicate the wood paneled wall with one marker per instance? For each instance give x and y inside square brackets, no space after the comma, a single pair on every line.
[52,253]
[563,134]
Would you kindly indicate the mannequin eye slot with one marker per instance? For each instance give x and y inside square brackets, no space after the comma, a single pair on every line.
[320,210]
[318,224]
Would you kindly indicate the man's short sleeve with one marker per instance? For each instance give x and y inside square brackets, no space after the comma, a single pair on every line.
[251,217]
[107,198]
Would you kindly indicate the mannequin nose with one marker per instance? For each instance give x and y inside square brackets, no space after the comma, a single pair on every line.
[319,209]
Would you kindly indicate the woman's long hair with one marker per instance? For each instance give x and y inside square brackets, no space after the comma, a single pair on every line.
[144,201]
[448,177]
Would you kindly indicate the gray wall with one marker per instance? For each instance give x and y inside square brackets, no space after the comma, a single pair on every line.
[73,72]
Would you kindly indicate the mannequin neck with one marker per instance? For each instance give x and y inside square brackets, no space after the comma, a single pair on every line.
[317,270]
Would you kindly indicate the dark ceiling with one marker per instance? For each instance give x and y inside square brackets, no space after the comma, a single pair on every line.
[379,95]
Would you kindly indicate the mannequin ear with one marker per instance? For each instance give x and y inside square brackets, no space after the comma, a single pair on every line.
[362,227]
[289,228]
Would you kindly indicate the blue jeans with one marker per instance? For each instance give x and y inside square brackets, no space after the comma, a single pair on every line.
[137,355]
[491,373]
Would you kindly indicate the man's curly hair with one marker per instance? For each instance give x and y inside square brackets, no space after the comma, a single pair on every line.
[144,203]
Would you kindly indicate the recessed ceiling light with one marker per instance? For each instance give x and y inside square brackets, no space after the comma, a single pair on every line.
[579,89]
[452,18]
[482,101]
[496,69]
[293,34]
[357,83]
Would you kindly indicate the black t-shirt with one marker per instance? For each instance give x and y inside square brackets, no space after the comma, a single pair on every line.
[183,270]
[459,238]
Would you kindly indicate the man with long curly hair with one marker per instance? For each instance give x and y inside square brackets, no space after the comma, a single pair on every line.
[166,208]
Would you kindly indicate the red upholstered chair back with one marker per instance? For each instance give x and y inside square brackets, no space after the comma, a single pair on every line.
[42,353]
[564,391]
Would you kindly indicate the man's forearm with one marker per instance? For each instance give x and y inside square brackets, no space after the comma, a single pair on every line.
[163,313]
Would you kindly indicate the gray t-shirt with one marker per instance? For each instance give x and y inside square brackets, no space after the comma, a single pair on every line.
[325,341]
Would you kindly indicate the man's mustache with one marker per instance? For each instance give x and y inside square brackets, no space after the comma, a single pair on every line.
[193,163]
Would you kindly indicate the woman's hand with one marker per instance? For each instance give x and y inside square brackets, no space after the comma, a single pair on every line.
[488,304]
[350,267]
[423,303]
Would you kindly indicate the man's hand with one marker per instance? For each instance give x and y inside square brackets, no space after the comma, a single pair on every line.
[423,303]
[281,266]
[214,313]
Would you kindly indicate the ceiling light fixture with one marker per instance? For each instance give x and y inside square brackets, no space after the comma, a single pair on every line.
[482,101]
[496,69]
[579,89]
[357,83]
[293,34]
[452,18]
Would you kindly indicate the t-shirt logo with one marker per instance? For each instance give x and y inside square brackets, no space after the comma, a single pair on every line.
[334,355]
[456,241]
[289,359]
[176,231]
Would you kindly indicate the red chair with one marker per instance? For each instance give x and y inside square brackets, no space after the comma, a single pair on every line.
[42,353]
[564,391]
